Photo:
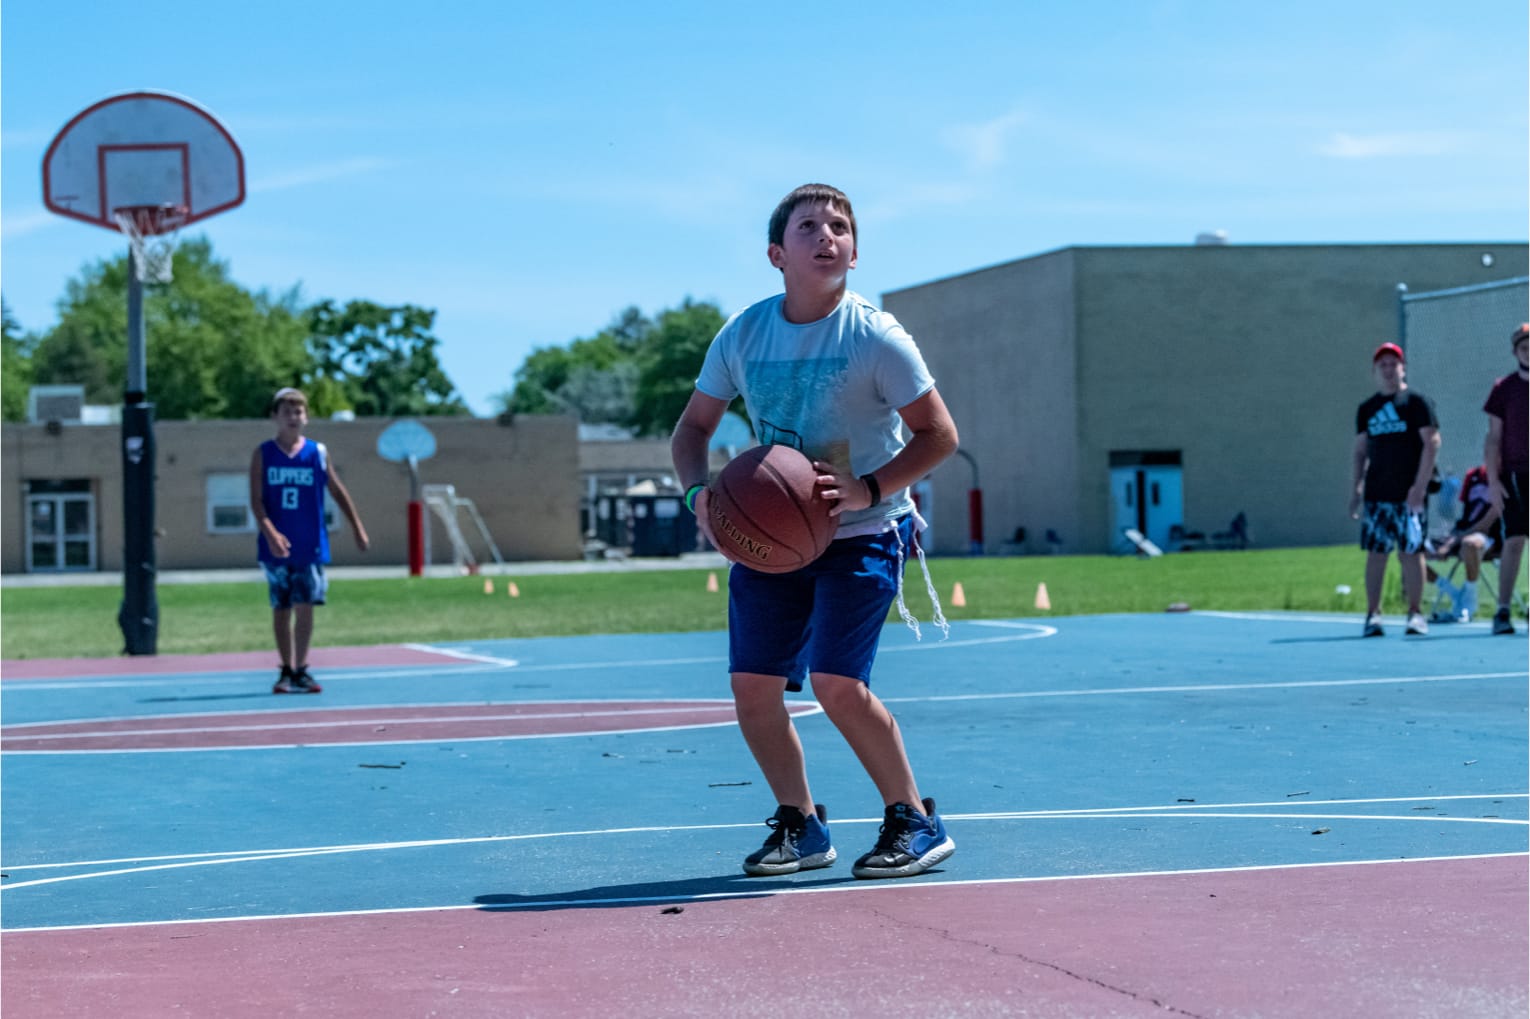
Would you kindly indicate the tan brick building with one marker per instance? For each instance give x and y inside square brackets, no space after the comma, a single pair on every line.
[1103,387]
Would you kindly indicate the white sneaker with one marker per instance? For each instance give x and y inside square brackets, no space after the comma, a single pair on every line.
[1417,625]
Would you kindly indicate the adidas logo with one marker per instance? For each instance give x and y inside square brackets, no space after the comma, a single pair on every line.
[1386,422]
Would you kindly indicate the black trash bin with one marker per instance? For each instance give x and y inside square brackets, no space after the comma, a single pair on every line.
[661,526]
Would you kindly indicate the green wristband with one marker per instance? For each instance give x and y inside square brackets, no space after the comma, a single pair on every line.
[690,496]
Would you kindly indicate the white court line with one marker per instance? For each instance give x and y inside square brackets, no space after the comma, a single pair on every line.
[342,723]
[1207,687]
[482,664]
[468,656]
[859,886]
[1167,811]
[1345,618]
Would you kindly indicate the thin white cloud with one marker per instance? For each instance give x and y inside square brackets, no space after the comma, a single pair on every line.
[18,224]
[1342,145]
[983,146]
[319,173]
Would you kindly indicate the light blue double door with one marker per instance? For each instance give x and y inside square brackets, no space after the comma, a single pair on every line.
[1149,498]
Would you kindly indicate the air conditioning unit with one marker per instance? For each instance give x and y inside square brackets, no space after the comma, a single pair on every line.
[56,403]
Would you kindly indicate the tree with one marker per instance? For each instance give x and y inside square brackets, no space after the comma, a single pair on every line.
[593,378]
[671,360]
[636,372]
[382,358]
[15,367]
[213,349]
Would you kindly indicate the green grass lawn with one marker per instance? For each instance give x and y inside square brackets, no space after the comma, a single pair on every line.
[44,622]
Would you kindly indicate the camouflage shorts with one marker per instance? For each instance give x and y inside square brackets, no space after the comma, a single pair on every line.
[1388,525]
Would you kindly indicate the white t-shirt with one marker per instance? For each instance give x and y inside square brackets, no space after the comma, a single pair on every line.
[830,388]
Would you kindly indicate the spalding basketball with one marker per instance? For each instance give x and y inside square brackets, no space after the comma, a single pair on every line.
[766,511]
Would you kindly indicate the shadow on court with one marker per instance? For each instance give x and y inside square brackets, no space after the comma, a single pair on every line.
[686,891]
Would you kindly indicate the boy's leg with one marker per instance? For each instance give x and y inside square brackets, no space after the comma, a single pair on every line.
[872,732]
[302,634]
[1508,569]
[1412,564]
[281,623]
[1471,556]
[772,738]
[1375,574]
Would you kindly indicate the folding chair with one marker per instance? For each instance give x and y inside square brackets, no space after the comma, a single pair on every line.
[1446,608]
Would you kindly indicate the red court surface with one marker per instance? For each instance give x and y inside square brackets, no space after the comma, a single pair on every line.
[1371,940]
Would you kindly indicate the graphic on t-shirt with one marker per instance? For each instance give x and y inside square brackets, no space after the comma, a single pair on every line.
[1386,421]
[801,396]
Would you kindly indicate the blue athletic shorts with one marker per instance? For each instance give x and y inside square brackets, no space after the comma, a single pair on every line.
[1388,525]
[295,585]
[825,617]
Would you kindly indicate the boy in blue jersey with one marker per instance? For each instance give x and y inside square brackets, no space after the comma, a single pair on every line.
[288,478]
[825,372]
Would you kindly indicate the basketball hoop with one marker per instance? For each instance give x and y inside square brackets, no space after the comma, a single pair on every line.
[151,230]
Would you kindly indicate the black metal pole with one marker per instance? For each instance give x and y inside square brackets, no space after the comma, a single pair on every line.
[139,615]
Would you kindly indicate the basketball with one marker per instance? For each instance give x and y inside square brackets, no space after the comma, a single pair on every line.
[766,511]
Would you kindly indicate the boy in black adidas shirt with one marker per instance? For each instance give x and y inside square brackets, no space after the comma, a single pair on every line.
[1397,439]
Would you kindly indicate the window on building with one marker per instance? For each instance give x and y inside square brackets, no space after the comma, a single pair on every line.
[228,504]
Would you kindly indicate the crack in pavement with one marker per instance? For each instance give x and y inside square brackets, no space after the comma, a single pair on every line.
[1071,974]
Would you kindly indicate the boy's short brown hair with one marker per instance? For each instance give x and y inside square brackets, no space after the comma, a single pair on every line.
[810,193]
[288,394]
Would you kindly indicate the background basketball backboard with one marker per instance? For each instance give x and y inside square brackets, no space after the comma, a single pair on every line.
[138,150]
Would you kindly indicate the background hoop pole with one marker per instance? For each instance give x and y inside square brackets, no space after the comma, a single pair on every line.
[138,616]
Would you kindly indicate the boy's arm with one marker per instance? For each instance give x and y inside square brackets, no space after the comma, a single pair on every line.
[1360,456]
[933,438]
[276,540]
[347,506]
[688,448]
[1492,459]
[1418,492]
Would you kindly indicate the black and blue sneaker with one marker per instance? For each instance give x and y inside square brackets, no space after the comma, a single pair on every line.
[909,843]
[795,843]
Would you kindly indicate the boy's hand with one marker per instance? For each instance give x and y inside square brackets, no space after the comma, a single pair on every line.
[362,541]
[704,521]
[278,543]
[844,490]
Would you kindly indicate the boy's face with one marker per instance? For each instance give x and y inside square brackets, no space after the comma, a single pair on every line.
[1389,373]
[818,243]
[291,416]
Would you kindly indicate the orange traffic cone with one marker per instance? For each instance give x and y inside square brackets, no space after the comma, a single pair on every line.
[712,582]
[1042,601]
[488,586]
[512,590]
[958,596]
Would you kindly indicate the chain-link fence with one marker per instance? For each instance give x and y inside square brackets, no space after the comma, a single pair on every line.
[1457,344]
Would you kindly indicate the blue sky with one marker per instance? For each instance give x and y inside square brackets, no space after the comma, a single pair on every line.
[530,171]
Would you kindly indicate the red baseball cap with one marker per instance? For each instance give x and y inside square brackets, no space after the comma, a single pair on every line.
[1388,348]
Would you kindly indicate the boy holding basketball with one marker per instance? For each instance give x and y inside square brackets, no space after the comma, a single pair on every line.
[288,478]
[823,371]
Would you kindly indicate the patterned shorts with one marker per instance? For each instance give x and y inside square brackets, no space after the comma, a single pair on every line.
[295,585]
[1388,525]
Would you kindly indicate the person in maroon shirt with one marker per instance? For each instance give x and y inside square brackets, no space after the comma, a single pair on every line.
[1506,454]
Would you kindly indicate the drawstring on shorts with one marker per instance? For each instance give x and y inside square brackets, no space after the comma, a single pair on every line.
[929,586]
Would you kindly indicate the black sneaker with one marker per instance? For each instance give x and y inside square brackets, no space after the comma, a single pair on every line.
[795,843]
[283,682]
[909,843]
[1502,623]
[1372,627]
[302,682]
